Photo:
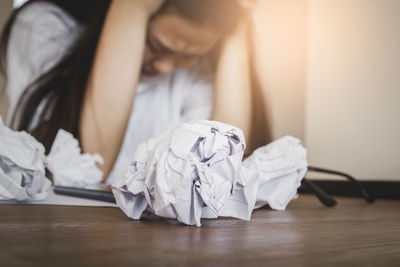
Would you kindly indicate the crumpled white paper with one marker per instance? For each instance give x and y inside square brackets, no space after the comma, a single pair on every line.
[270,175]
[195,171]
[23,162]
[69,166]
[22,167]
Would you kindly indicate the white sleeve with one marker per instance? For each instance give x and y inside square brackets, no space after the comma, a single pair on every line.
[39,37]
[198,101]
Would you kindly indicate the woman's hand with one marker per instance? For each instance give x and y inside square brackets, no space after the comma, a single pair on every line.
[248,5]
[148,6]
[151,6]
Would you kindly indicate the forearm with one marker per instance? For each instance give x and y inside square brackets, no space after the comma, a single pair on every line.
[232,95]
[112,83]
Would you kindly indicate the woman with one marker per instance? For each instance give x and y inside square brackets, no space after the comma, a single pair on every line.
[115,73]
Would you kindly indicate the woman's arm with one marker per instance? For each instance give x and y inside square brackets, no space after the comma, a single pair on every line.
[115,73]
[232,95]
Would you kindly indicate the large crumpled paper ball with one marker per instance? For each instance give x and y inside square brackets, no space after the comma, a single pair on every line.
[186,173]
[22,167]
[196,171]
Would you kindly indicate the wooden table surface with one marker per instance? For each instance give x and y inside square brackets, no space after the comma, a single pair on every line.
[353,233]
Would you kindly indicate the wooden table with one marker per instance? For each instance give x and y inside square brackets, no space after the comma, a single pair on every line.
[352,234]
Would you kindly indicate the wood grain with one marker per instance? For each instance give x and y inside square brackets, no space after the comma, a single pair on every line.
[353,233]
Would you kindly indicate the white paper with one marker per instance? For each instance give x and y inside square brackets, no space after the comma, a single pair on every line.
[22,166]
[195,171]
[23,162]
[64,200]
[69,166]
[269,176]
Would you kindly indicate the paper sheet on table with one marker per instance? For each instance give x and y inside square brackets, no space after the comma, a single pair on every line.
[63,200]
[22,166]
[195,171]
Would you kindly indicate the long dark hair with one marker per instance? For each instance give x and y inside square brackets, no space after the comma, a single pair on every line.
[63,86]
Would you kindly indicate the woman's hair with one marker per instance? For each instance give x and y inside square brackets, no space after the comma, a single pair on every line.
[63,86]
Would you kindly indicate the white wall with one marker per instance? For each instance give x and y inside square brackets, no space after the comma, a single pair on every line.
[353,92]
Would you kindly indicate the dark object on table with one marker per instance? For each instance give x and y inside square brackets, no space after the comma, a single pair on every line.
[324,197]
[101,193]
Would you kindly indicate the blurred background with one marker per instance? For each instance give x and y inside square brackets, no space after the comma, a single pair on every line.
[330,71]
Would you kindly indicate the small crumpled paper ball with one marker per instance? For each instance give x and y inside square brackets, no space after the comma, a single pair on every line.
[69,166]
[22,167]
[186,173]
[275,172]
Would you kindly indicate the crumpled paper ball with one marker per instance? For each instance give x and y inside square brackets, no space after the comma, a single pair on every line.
[270,176]
[183,172]
[69,166]
[195,171]
[22,167]
[279,168]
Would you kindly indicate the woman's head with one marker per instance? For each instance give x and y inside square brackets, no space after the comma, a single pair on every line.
[179,34]
[183,31]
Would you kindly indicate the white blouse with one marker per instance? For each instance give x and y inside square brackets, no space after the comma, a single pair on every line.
[42,34]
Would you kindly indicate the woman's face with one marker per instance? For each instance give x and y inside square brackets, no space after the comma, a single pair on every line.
[175,42]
